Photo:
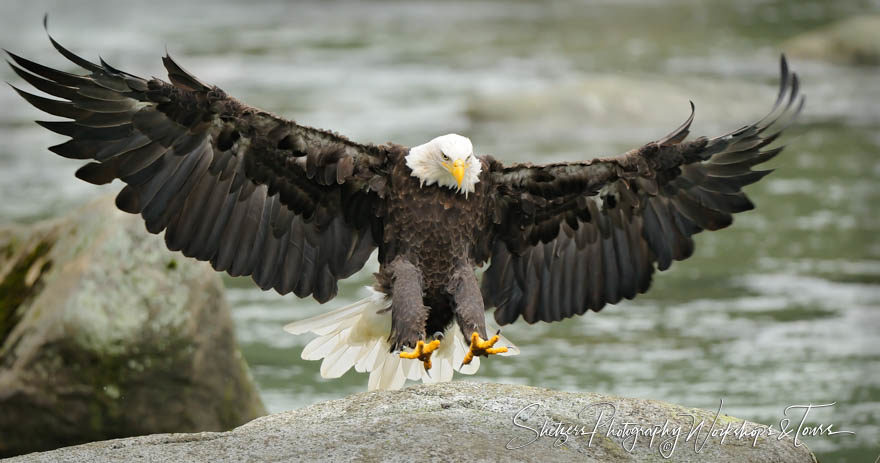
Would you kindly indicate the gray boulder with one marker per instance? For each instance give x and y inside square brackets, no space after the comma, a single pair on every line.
[104,333]
[458,421]
[853,41]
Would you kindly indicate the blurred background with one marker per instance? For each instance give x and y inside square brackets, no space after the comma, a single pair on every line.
[781,308]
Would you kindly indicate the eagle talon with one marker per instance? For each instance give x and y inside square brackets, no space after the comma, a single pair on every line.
[422,352]
[482,348]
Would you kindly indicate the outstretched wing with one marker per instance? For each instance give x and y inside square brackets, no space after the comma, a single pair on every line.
[575,236]
[250,192]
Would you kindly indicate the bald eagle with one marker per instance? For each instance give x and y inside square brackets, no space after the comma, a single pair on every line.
[299,208]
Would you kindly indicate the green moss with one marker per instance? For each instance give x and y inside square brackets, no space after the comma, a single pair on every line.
[7,250]
[231,406]
[15,289]
[112,378]
[171,265]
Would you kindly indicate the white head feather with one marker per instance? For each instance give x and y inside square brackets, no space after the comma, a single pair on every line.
[433,163]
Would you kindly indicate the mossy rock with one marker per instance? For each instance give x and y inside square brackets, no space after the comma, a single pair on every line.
[104,333]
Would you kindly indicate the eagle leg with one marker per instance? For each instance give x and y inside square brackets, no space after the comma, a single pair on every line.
[470,313]
[408,311]
[422,352]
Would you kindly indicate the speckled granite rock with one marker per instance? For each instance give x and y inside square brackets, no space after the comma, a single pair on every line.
[851,41]
[104,333]
[458,421]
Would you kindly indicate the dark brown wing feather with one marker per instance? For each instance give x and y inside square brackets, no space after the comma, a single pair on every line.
[575,236]
[252,193]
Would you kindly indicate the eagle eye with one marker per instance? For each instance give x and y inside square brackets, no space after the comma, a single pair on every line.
[445,157]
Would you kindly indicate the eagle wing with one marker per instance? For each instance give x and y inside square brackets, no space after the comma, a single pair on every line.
[252,193]
[575,236]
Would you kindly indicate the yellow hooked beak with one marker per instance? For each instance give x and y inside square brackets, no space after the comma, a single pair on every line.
[457,170]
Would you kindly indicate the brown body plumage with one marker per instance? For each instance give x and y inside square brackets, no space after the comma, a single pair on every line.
[443,234]
[299,208]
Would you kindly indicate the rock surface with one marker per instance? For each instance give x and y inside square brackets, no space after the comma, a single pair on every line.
[853,41]
[458,421]
[104,333]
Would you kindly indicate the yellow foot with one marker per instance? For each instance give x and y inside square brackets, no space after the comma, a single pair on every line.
[422,352]
[480,347]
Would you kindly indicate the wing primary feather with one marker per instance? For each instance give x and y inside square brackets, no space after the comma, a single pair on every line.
[215,198]
[181,78]
[59,77]
[160,172]
[168,201]
[81,132]
[108,67]
[193,214]
[75,149]
[229,237]
[252,233]
[85,64]
[612,275]
[58,108]
[294,261]
[654,234]
[45,85]
[173,216]
[679,134]
[96,173]
[784,78]
[214,234]
[138,159]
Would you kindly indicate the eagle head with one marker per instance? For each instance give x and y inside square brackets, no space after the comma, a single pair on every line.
[448,161]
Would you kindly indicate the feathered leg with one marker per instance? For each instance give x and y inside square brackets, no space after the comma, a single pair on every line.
[470,313]
[408,311]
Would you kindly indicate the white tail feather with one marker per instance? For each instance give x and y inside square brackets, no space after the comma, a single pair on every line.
[357,336]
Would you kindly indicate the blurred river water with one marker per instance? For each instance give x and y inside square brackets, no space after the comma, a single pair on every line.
[782,308]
